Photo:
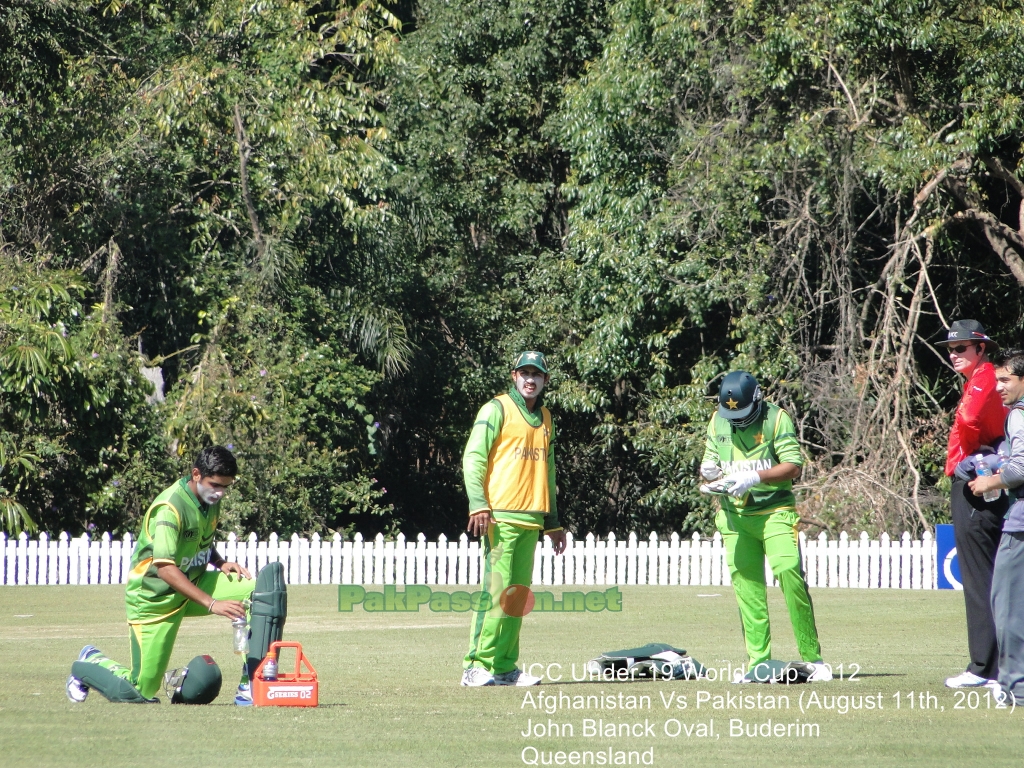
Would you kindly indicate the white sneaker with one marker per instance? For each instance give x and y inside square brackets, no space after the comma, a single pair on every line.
[476,677]
[999,695]
[243,696]
[739,675]
[77,690]
[517,678]
[966,680]
[822,672]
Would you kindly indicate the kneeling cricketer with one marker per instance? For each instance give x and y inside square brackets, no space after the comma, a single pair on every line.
[168,581]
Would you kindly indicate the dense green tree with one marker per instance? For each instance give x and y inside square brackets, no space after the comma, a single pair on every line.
[80,445]
[329,238]
[179,155]
[755,186]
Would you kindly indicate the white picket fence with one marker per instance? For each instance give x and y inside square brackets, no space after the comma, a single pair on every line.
[903,563]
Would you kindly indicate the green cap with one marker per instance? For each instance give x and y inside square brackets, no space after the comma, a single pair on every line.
[536,359]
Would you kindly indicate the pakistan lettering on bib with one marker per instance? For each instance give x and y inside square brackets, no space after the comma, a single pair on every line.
[517,475]
[176,530]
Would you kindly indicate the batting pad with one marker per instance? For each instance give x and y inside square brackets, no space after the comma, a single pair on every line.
[112,687]
[267,613]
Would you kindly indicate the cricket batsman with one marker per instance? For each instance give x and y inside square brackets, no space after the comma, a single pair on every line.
[169,580]
[509,470]
[751,458]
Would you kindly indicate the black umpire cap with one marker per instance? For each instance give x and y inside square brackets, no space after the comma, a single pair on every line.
[970,331]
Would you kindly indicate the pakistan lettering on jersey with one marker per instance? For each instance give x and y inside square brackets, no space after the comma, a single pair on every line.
[177,529]
[768,441]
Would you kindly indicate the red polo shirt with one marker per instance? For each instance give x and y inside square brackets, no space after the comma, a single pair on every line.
[979,417]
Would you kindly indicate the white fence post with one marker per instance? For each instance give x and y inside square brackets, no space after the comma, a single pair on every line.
[357,560]
[314,559]
[127,550]
[694,577]
[439,565]
[32,556]
[21,559]
[400,555]
[821,561]
[570,557]
[52,568]
[929,577]
[864,557]
[341,560]
[115,560]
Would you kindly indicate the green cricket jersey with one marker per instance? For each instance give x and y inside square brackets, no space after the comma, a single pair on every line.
[177,529]
[768,441]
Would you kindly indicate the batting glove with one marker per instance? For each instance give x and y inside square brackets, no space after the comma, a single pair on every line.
[741,482]
[710,471]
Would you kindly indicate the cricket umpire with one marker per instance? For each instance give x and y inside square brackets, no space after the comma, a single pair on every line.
[977,524]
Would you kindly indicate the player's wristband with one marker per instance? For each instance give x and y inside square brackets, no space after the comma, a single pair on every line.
[212,603]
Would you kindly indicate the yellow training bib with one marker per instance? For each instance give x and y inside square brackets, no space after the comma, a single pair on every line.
[517,474]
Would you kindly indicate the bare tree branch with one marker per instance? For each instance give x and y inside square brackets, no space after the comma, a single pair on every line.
[1007,243]
[244,150]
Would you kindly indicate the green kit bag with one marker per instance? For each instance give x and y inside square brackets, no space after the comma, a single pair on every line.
[654,661]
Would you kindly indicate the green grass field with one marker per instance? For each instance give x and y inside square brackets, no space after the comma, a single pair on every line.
[389,692]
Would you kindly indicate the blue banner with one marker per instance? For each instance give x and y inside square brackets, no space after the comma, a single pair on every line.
[945,560]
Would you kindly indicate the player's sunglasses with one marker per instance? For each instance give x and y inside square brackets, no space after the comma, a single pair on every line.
[961,349]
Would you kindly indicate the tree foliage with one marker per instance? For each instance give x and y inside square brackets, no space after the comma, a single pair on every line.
[330,233]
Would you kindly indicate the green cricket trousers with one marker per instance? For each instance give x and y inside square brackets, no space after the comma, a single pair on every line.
[508,560]
[748,539]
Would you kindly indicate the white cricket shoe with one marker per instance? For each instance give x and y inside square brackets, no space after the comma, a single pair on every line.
[243,696]
[77,690]
[517,678]
[966,680]
[999,694]
[476,677]
[822,672]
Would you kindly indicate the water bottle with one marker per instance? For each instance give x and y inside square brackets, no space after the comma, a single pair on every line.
[270,667]
[984,470]
[241,641]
